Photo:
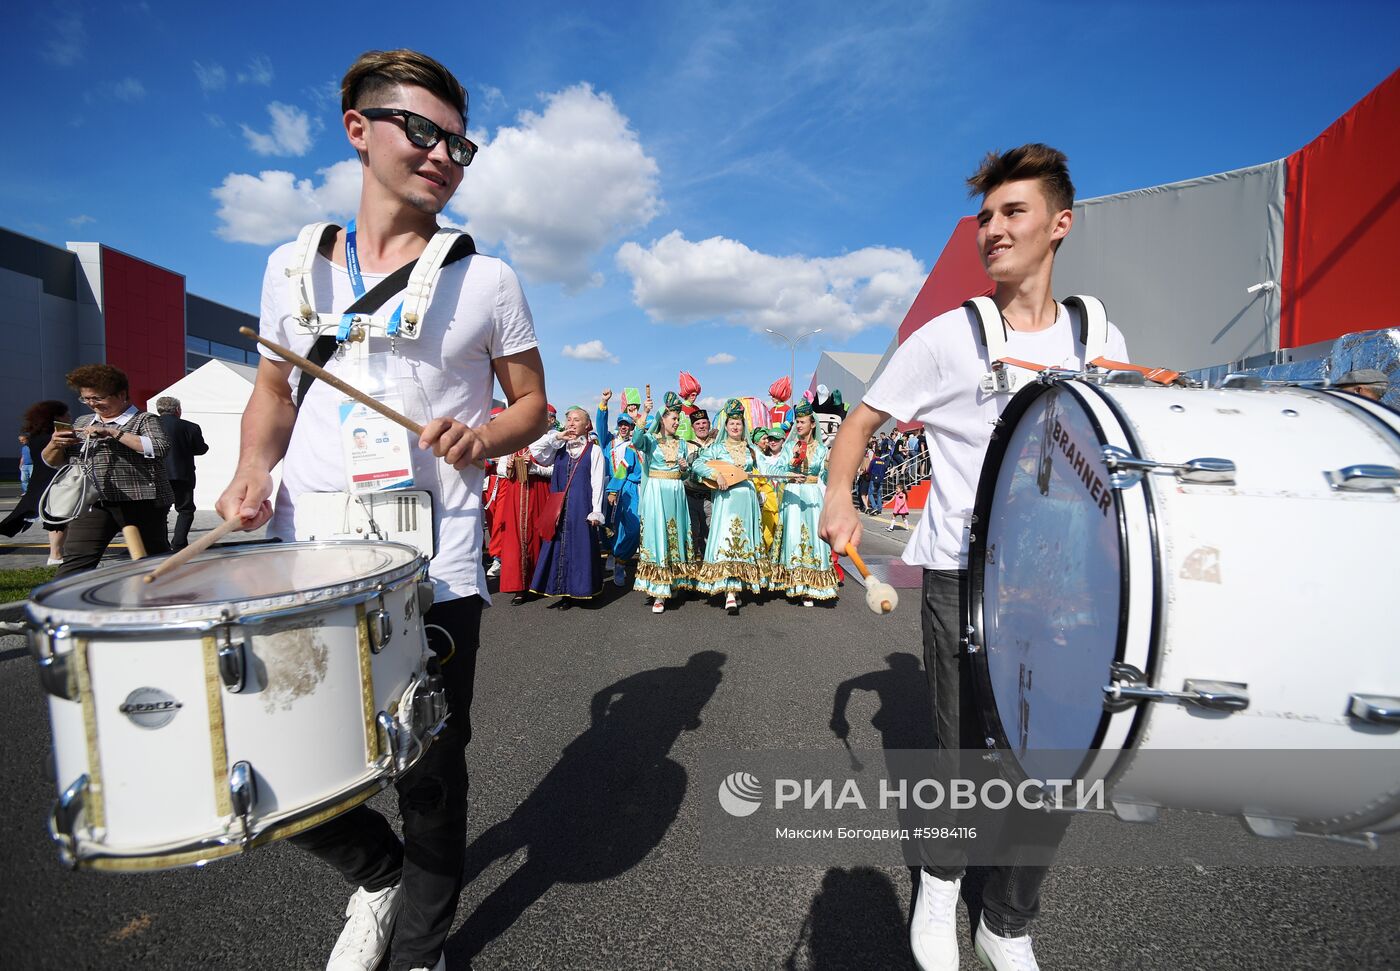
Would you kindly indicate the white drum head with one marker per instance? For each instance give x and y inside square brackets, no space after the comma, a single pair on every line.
[1046,571]
[248,579]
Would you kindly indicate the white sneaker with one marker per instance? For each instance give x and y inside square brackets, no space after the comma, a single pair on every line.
[440,966]
[1004,953]
[658,606]
[731,603]
[494,570]
[54,561]
[367,930]
[933,935]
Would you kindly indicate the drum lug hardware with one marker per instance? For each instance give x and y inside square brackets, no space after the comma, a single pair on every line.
[64,819]
[243,790]
[1126,469]
[381,625]
[233,663]
[56,676]
[1374,709]
[972,647]
[390,727]
[1363,478]
[1128,686]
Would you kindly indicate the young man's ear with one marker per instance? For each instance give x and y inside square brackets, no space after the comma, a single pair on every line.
[355,125]
[1059,229]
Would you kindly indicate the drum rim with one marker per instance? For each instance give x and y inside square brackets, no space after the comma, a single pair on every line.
[40,613]
[976,575]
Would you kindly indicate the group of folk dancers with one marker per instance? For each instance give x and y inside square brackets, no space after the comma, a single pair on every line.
[585,491]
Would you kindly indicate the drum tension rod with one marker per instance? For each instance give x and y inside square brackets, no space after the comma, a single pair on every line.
[1128,686]
[233,661]
[1126,469]
[243,792]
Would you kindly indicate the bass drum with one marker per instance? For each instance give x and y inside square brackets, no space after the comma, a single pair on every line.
[1160,575]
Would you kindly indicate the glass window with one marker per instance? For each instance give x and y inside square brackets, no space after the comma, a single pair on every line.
[197,344]
[227,351]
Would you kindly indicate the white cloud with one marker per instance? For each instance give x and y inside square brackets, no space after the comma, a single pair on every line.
[211,77]
[126,90]
[560,185]
[290,134]
[589,351]
[272,206]
[65,47]
[710,403]
[79,221]
[721,358]
[258,71]
[488,96]
[677,281]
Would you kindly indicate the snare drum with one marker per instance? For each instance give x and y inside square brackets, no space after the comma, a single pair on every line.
[244,697]
[1174,569]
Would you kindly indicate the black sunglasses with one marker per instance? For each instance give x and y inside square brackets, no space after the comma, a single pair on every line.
[425,134]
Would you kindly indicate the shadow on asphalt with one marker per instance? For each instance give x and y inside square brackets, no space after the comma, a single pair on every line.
[605,805]
[853,910]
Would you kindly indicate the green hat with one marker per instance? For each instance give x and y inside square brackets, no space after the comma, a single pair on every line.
[733,408]
[672,402]
[803,410]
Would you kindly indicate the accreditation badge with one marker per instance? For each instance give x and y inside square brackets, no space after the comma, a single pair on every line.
[378,454]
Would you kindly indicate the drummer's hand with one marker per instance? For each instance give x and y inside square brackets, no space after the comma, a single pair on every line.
[840,524]
[453,442]
[248,497]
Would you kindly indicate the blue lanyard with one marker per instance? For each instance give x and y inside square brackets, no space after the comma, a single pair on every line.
[357,283]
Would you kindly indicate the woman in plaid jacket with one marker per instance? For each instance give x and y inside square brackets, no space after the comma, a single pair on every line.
[123,450]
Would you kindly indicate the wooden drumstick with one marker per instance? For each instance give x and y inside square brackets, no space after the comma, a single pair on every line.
[292,357]
[196,548]
[134,545]
[880,597]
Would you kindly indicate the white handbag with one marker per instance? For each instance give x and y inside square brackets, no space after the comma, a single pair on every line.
[68,494]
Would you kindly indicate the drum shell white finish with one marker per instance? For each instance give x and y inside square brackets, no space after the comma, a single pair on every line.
[1259,582]
[304,721]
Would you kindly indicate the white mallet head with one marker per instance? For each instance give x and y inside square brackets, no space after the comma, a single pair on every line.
[881,597]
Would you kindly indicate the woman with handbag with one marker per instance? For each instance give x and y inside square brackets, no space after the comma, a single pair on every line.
[39,426]
[570,563]
[121,450]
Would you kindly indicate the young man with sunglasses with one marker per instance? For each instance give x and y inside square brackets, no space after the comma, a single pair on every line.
[938,378]
[405,116]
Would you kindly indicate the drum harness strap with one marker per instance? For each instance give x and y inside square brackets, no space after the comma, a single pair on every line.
[417,279]
[1010,374]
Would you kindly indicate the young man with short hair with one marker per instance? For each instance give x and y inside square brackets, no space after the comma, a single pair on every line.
[405,115]
[935,378]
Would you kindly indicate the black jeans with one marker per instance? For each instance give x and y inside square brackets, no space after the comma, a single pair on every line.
[361,844]
[89,534]
[1011,898]
[184,513]
[699,522]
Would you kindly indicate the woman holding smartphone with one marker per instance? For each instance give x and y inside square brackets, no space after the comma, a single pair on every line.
[40,421]
[124,449]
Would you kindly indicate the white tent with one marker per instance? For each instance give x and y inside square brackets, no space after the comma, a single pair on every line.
[213,397]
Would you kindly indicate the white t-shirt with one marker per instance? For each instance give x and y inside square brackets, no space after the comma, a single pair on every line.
[478,313]
[934,378]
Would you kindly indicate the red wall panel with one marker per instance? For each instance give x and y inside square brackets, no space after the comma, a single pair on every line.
[144,312]
[957,277]
[1341,221]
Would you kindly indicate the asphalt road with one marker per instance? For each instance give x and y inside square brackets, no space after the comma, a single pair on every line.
[629,887]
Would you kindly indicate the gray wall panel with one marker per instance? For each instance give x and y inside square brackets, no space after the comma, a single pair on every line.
[1172,264]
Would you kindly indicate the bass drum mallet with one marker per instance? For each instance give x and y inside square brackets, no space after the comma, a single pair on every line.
[880,597]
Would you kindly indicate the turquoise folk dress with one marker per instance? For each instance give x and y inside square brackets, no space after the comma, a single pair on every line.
[734,554]
[664,563]
[800,564]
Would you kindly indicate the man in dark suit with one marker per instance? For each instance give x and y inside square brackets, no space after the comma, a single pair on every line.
[186,441]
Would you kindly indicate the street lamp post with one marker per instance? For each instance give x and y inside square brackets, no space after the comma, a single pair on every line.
[792,343]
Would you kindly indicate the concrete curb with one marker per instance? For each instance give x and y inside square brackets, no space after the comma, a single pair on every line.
[14,610]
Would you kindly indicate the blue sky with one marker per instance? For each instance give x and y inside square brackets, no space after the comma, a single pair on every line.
[669,178]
